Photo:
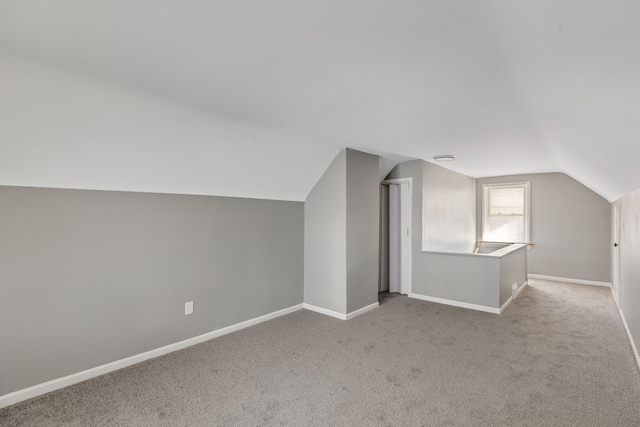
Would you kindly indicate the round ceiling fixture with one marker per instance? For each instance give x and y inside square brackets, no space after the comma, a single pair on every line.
[444,158]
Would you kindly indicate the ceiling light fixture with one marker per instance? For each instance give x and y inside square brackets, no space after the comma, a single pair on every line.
[444,158]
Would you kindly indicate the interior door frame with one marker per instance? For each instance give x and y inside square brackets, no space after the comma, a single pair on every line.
[615,258]
[384,214]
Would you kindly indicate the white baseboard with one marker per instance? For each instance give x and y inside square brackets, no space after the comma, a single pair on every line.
[363,310]
[506,304]
[340,316]
[633,344]
[615,298]
[458,303]
[513,297]
[324,311]
[568,280]
[521,288]
[39,389]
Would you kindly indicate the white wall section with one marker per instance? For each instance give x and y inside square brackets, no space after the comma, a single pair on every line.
[448,210]
[62,129]
[507,87]
[629,289]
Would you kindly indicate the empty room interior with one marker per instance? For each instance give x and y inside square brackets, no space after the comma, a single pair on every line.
[319,212]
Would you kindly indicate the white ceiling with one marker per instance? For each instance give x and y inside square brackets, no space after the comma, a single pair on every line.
[254,98]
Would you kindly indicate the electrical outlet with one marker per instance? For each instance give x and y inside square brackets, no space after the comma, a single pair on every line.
[188,308]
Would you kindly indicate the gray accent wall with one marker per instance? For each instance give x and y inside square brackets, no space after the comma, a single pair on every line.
[513,270]
[457,277]
[480,279]
[341,235]
[325,241]
[629,282]
[91,277]
[570,227]
[363,229]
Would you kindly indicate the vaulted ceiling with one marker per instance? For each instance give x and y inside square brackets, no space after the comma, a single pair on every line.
[254,98]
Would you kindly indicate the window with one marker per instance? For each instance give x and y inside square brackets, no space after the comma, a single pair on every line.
[505,212]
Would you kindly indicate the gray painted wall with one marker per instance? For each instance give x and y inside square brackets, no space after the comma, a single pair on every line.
[90,277]
[341,234]
[570,227]
[325,241]
[513,269]
[363,228]
[448,210]
[465,278]
[629,283]
[437,194]
[484,280]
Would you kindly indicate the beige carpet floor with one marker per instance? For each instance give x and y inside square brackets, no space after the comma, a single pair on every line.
[558,356]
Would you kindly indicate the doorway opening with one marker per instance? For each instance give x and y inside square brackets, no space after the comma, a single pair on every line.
[395,236]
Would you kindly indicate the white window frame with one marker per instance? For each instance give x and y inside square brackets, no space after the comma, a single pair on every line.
[526,211]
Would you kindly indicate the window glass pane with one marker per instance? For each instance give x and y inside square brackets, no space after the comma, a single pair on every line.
[506,201]
[505,229]
[505,210]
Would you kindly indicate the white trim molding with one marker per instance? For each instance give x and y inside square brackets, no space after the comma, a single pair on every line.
[337,315]
[409,181]
[56,384]
[568,280]
[520,289]
[633,344]
[462,304]
[363,310]
[324,311]
[526,214]
[506,304]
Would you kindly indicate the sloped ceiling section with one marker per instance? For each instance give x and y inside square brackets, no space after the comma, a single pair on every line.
[254,98]
[65,130]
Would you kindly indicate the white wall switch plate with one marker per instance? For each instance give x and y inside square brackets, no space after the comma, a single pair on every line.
[188,308]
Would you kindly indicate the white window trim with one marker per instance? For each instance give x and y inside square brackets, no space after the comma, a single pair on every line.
[527,207]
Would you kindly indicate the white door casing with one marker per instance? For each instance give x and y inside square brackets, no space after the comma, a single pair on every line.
[399,237]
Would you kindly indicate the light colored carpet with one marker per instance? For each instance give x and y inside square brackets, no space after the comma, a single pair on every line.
[557,357]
